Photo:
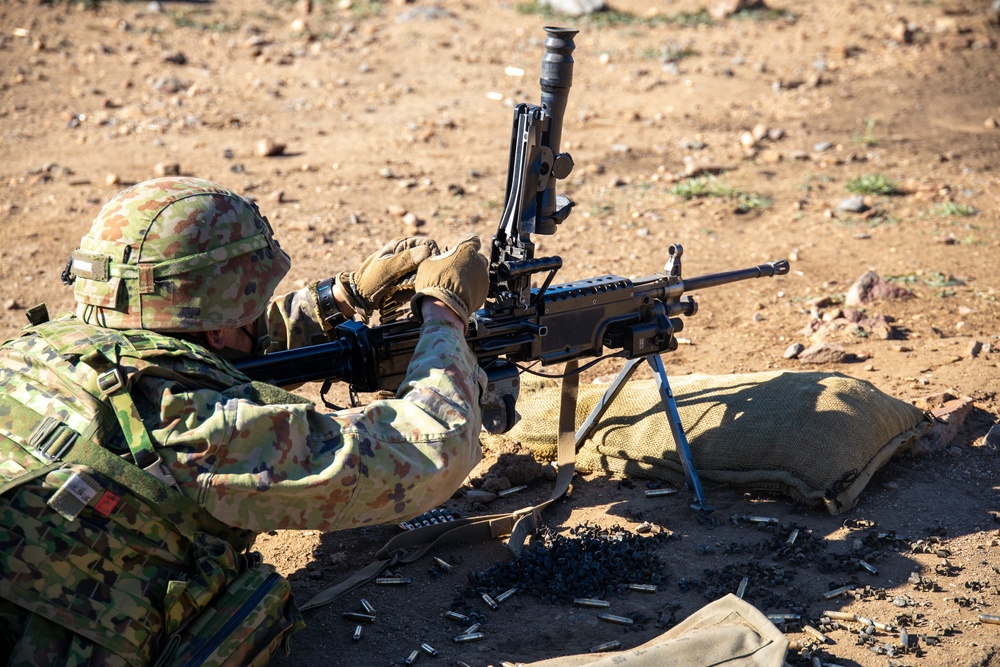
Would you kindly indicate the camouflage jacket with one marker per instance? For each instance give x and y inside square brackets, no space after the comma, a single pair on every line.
[270,466]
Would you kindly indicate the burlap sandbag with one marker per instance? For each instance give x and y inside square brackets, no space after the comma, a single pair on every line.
[727,632]
[817,437]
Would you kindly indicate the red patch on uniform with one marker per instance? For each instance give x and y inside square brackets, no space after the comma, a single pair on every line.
[107,504]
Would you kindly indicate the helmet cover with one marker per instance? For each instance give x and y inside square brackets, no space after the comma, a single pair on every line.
[177,254]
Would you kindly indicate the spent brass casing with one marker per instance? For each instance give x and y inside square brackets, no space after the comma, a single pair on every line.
[357,633]
[507,594]
[816,634]
[391,581]
[794,535]
[645,588]
[472,628]
[429,650]
[455,616]
[989,618]
[742,588]
[841,616]
[838,591]
[760,519]
[653,493]
[489,601]
[904,638]
[868,566]
[512,490]
[591,602]
[357,616]
[783,618]
[442,564]
[606,646]
[412,657]
[369,609]
[471,637]
[619,620]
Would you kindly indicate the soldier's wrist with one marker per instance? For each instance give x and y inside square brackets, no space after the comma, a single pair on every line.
[331,304]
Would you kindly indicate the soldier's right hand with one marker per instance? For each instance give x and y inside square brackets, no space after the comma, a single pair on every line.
[366,288]
[459,278]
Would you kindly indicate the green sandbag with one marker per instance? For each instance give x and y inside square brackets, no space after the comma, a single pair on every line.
[816,437]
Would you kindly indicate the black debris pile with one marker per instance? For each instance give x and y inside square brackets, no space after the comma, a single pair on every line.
[592,562]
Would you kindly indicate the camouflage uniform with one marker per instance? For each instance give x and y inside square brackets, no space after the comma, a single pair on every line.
[110,574]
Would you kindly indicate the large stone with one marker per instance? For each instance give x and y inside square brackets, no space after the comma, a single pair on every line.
[871,287]
[823,353]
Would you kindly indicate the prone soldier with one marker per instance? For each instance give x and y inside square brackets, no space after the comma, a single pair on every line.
[137,462]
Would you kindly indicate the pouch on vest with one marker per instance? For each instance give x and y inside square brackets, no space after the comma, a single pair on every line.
[243,626]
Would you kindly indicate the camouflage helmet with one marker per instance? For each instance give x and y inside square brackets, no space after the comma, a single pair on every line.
[176,254]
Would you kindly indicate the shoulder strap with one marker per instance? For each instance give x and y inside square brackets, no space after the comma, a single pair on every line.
[413,544]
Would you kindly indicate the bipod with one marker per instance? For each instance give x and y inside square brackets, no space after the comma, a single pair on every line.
[670,411]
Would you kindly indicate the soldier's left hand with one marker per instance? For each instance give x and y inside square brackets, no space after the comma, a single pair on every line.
[366,288]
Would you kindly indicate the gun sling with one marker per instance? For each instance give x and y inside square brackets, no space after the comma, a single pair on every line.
[413,544]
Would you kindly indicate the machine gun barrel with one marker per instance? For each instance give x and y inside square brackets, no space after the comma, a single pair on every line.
[778,268]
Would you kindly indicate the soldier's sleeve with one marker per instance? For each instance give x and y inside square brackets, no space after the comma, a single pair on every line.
[270,467]
[293,320]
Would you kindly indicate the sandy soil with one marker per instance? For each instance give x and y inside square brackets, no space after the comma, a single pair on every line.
[395,118]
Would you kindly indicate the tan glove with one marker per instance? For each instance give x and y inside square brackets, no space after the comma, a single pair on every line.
[366,288]
[459,277]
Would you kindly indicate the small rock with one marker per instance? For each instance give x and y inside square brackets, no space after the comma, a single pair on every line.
[822,146]
[793,351]
[175,57]
[644,528]
[154,7]
[692,144]
[701,168]
[747,140]
[991,123]
[11,304]
[386,172]
[955,452]
[112,179]
[770,156]
[482,497]
[167,169]
[823,353]
[992,438]
[972,349]
[901,33]
[775,134]
[624,149]
[855,204]
[278,196]
[726,8]
[269,148]
[493,484]
[871,287]
[574,7]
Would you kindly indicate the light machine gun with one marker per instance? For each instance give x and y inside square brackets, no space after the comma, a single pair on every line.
[634,319]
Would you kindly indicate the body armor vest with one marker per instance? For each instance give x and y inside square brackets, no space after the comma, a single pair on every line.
[89,540]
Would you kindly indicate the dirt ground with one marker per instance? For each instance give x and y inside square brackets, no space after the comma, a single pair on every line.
[395,118]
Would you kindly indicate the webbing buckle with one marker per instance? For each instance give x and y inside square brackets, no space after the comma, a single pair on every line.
[52,439]
[110,381]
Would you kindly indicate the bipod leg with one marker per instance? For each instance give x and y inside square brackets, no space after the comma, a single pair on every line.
[674,419]
[588,425]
